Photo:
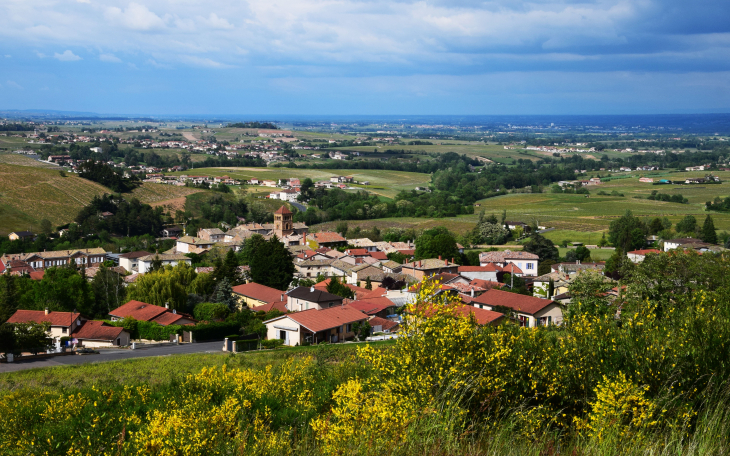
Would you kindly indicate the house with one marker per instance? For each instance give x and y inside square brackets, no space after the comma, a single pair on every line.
[189,244]
[488,272]
[168,259]
[142,311]
[211,234]
[391,266]
[363,243]
[96,334]
[44,260]
[672,244]
[254,295]
[62,323]
[525,261]
[130,261]
[379,256]
[327,239]
[172,231]
[512,225]
[357,253]
[359,292]
[637,256]
[314,325]
[529,310]
[21,235]
[481,316]
[426,268]
[305,298]
[380,307]
[384,325]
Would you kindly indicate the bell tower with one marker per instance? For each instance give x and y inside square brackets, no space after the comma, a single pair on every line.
[283,225]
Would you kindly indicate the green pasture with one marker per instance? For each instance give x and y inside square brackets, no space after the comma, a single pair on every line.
[493,152]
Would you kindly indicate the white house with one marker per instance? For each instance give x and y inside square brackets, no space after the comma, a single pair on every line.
[525,261]
[145,263]
[315,326]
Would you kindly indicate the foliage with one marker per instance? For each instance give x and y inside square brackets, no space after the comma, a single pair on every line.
[27,337]
[210,311]
[109,290]
[271,264]
[436,242]
[362,330]
[542,247]
[106,175]
[338,288]
[627,233]
[130,218]
[489,231]
[676,198]
[223,294]
[708,233]
[588,296]
[214,330]
[271,343]
[170,285]
[687,225]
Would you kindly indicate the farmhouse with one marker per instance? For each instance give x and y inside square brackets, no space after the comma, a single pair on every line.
[426,268]
[525,261]
[529,310]
[44,260]
[315,326]
[305,298]
[254,295]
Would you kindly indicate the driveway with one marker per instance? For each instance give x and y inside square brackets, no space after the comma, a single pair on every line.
[301,207]
[115,355]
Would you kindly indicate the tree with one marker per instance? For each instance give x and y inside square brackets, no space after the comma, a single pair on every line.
[227,269]
[588,295]
[656,225]
[272,265]
[109,291]
[223,294]
[156,264]
[362,330]
[708,233]
[368,284]
[342,228]
[8,296]
[166,286]
[542,247]
[436,242]
[338,288]
[545,267]
[627,233]
[32,337]
[210,311]
[64,289]
[582,253]
[687,225]
[46,227]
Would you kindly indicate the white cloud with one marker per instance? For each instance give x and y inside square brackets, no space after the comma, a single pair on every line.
[109,58]
[135,17]
[203,62]
[7,56]
[67,56]
[40,55]
[83,1]
[14,85]
[213,21]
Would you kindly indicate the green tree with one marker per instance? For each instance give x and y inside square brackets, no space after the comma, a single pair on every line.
[627,233]
[250,247]
[32,337]
[542,247]
[227,269]
[656,225]
[368,284]
[8,296]
[156,264]
[362,330]
[109,290]
[341,228]
[436,242]
[708,233]
[166,286]
[588,295]
[687,225]
[64,289]
[223,294]
[272,265]
[338,288]
[46,227]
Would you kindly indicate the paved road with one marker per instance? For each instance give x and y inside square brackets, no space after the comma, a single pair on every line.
[301,207]
[114,355]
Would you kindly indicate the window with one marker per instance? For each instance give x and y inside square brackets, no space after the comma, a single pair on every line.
[524,321]
[530,266]
[64,330]
[349,327]
[282,335]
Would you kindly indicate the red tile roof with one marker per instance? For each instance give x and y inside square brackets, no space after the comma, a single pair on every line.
[645,251]
[482,316]
[372,306]
[407,252]
[39,316]
[274,305]
[283,210]
[486,284]
[169,318]
[358,252]
[520,303]
[326,237]
[491,267]
[321,320]
[37,275]
[381,256]
[361,292]
[512,269]
[138,310]
[97,330]
[258,292]
[387,325]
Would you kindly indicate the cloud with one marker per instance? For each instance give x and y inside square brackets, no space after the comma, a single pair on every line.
[155,64]
[40,55]
[67,56]
[109,58]
[135,17]
[215,22]
[203,62]
[7,56]
[14,85]
[83,1]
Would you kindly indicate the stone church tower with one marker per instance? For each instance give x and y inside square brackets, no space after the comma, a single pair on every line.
[283,225]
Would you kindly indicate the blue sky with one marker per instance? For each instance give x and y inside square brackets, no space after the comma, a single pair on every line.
[267,57]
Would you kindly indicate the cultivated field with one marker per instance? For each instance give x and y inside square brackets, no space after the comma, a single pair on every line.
[31,194]
[155,194]
[24,160]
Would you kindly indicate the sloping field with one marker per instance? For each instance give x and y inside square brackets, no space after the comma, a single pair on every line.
[156,194]
[23,160]
[30,194]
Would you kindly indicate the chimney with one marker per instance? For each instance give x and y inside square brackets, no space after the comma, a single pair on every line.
[472,292]
[282,297]
[311,290]
[439,257]
[47,311]
[167,305]
[354,296]
[452,261]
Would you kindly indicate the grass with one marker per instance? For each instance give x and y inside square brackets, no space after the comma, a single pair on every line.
[24,160]
[160,193]
[493,152]
[31,194]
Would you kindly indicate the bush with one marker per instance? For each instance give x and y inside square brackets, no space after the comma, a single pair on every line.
[210,311]
[151,330]
[271,343]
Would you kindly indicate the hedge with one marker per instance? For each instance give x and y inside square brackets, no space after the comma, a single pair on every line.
[213,331]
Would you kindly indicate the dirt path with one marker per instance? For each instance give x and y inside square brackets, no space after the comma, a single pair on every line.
[189,136]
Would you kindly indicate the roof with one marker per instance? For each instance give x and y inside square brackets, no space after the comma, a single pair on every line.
[502,257]
[39,316]
[212,230]
[326,237]
[358,252]
[274,305]
[133,255]
[91,272]
[512,269]
[486,284]
[54,254]
[321,320]
[166,257]
[644,251]
[520,303]
[283,210]
[23,233]
[258,292]
[490,267]
[97,330]
[390,264]
[312,294]
[431,263]
[138,310]
[682,241]
[372,306]
[482,316]
[381,256]
[386,324]
[37,275]
[171,318]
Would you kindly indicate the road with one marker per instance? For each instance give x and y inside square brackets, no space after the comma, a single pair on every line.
[115,355]
[299,206]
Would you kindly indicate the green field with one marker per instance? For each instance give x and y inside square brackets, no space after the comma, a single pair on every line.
[31,194]
[493,152]
[385,183]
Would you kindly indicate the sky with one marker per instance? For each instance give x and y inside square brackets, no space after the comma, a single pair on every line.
[372,57]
